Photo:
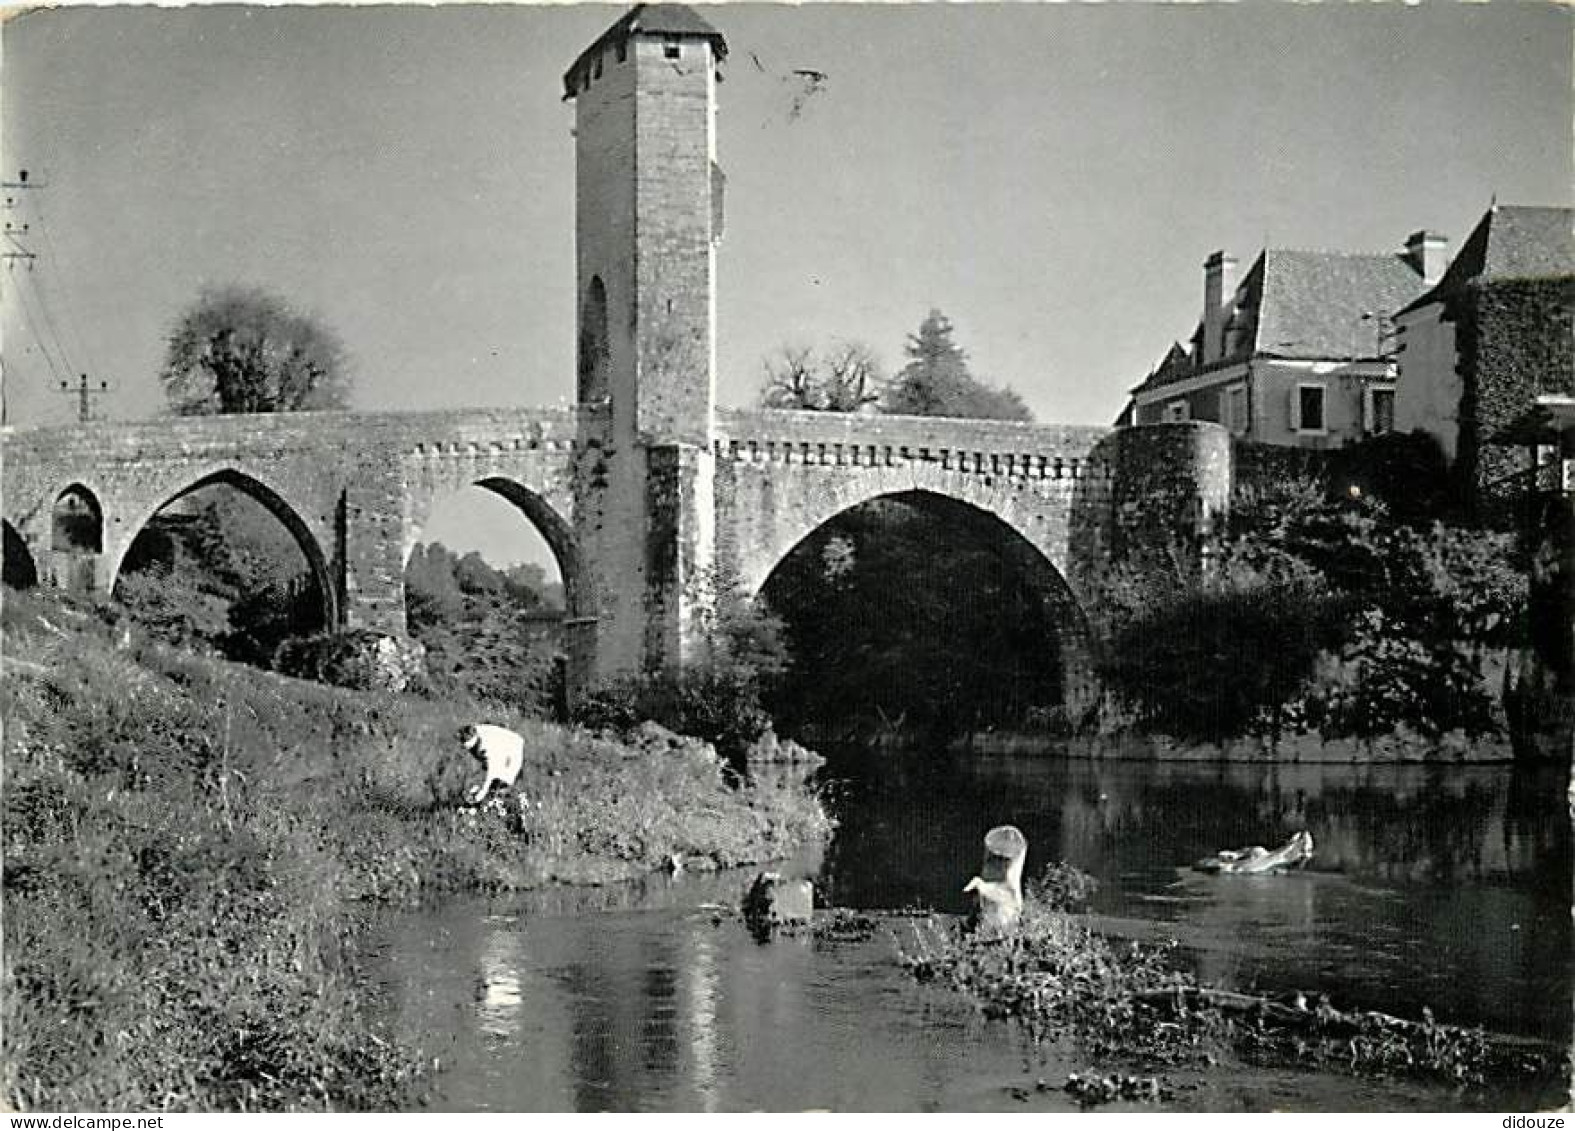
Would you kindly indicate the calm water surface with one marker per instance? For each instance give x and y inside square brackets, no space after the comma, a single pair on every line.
[1446,887]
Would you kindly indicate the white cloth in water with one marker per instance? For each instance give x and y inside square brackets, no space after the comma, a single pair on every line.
[502,750]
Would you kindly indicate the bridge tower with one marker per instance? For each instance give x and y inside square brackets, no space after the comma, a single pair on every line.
[648,218]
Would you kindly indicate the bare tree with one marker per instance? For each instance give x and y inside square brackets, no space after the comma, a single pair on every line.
[790,379]
[853,377]
[843,378]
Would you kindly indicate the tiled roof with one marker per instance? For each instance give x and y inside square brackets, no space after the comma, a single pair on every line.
[647,19]
[1512,241]
[1313,302]
[1307,305]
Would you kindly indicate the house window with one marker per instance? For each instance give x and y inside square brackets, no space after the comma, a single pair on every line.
[1176,412]
[1378,411]
[672,50]
[1307,408]
[1236,409]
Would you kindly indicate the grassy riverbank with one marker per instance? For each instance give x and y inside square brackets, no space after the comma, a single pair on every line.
[190,846]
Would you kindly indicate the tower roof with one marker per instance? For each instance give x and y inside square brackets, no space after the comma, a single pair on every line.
[1511,241]
[667,21]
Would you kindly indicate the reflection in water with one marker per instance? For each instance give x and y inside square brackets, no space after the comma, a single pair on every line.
[702,1023]
[1448,888]
[500,980]
[1432,885]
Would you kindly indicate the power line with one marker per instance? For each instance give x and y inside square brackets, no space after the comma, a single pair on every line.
[15,251]
[49,322]
[32,320]
[38,313]
[78,341]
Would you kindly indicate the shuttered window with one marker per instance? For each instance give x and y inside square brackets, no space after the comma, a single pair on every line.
[1307,408]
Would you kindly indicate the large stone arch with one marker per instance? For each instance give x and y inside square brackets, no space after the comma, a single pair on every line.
[288,514]
[1032,541]
[554,528]
[770,514]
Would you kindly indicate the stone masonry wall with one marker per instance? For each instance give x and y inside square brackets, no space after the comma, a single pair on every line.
[1169,483]
[674,255]
[353,488]
[782,474]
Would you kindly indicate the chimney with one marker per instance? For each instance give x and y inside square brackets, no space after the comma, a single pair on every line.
[1424,251]
[1219,289]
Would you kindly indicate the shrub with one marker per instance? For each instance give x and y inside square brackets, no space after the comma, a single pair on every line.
[719,703]
[1210,657]
[1401,617]
[360,659]
[1406,471]
[171,610]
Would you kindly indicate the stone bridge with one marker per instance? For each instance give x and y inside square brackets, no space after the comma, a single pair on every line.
[646,492]
[356,490]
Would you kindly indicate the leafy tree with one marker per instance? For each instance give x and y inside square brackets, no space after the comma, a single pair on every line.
[897,620]
[1356,624]
[220,554]
[476,578]
[937,382]
[843,378]
[242,349]
[432,596]
[1172,641]
[490,633]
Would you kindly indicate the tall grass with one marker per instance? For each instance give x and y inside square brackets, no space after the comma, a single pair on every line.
[190,847]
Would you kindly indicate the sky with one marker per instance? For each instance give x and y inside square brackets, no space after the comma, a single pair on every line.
[1051,176]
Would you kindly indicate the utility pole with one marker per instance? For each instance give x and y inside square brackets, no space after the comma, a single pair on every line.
[85,394]
[14,250]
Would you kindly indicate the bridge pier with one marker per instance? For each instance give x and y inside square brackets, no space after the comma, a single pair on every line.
[369,565]
[680,552]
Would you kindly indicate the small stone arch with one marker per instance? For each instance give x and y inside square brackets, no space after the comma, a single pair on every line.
[255,489]
[76,522]
[595,385]
[20,571]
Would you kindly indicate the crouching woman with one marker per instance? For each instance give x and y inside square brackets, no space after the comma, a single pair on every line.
[499,749]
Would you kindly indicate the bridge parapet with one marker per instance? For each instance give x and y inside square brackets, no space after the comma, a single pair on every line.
[1010,449]
[361,431]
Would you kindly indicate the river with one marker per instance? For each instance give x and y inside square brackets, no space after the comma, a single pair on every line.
[1447,887]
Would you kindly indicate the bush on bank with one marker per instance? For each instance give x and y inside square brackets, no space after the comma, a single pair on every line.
[190,843]
[1315,614]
